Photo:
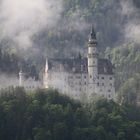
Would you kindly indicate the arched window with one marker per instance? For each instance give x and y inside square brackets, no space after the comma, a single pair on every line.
[110,78]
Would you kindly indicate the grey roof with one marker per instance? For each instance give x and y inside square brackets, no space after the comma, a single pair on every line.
[105,66]
[79,65]
[92,33]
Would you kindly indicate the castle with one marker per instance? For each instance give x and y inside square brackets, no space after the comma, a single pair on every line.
[82,76]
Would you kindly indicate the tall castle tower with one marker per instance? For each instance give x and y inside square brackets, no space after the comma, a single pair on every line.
[92,61]
[82,77]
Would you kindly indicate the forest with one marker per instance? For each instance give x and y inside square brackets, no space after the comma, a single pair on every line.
[49,115]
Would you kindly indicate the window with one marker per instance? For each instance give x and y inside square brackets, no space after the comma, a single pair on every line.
[85,83]
[90,76]
[103,84]
[85,77]
[110,78]
[111,84]
[97,84]
[109,90]
[78,77]
[103,78]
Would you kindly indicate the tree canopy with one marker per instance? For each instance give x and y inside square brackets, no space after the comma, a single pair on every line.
[47,114]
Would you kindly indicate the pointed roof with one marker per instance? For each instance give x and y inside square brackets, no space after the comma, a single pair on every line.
[92,33]
[46,68]
[92,37]
[104,65]
[20,70]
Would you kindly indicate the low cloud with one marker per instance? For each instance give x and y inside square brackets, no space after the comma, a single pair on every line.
[132,26]
[127,7]
[20,20]
[132,32]
[8,80]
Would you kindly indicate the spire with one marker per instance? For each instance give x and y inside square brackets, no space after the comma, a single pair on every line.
[92,38]
[21,77]
[47,67]
[93,35]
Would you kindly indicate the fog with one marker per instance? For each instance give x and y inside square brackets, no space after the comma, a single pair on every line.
[20,20]
[132,26]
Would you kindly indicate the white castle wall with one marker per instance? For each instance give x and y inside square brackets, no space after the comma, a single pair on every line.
[105,86]
[76,84]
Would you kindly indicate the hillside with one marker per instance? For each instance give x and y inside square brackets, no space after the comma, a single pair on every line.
[110,19]
[116,25]
[52,116]
[127,62]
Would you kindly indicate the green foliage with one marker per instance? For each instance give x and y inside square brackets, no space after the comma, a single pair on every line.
[127,62]
[130,91]
[46,114]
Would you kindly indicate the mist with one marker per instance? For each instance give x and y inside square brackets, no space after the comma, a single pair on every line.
[20,20]
[7,80]
[12,80]
[132,26]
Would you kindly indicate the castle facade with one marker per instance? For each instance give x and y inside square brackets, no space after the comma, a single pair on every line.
[82,76]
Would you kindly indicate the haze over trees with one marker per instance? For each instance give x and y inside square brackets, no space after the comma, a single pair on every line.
[116,23]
